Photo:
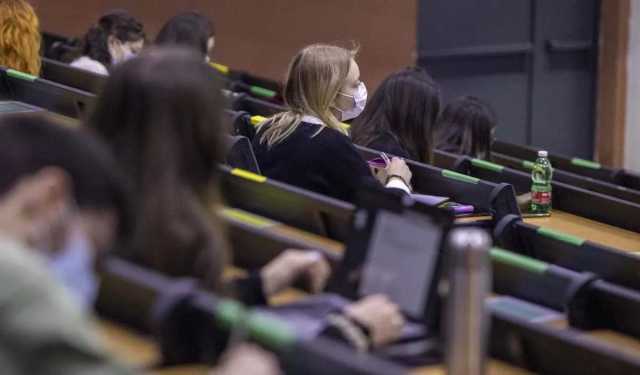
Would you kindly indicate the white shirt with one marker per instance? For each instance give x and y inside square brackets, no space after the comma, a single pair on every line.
[91,65]
[394,182]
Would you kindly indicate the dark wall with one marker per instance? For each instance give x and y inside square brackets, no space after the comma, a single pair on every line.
[262,35]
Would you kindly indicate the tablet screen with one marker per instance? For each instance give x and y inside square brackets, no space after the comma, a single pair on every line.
[401,259]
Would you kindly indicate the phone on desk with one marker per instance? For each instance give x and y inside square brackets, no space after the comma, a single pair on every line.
[458,208]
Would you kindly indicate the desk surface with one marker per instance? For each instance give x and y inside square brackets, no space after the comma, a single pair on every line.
[140,352]
[590,230]
[127,346]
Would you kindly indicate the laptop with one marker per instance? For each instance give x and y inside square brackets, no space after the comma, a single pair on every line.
[397,248]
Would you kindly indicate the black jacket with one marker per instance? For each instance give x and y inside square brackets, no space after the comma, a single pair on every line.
[325,162]
[389,145]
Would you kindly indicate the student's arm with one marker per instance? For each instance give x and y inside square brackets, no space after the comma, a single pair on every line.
[249,290]
[343,165]
[42,330]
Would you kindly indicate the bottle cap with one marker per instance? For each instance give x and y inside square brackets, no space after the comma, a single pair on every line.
[543,154]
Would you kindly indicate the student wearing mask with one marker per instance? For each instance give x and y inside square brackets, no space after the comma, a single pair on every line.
[467,127]
[116,37]
[89,201]
[62,204]
[60,207]
[170,148]
[308,146]
[19,37]
[190,30]
[401,115]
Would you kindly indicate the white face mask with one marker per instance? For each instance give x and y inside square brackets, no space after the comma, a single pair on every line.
[123,54]
[359,101]
[73,266]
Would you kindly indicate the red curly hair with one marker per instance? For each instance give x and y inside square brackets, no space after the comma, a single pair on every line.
[19,36]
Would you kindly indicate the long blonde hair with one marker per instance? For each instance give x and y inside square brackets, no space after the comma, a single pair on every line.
[19,37]
[316,75]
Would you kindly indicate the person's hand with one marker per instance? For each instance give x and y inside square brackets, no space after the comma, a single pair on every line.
[284,270]
[247,359]
[380,174]
[381,316]
[398,167]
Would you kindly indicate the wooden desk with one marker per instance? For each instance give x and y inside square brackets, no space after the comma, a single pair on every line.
[140,352]
[590,230]
[128,347]
[494,368]
[236,216]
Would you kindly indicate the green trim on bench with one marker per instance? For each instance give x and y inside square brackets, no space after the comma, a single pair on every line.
[268,331]
[487,165]
[459,176]
[528,164]
[550,233]
[261,91]
[585,163]
[21,75]
[499,255]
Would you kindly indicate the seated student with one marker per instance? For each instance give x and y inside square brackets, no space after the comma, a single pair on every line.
[466,127]
[189,30]
[91,194]
[58,209]
[61,205]
[167,135]
[401,115]
[307,145]
[116,37]
[19,37]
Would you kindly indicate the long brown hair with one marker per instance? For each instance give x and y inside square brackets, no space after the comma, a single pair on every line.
[161,113]
[316,75]
[466,127]
[405,108]
[19,37]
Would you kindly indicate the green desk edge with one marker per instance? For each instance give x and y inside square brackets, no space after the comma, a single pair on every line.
[487,165]
[550,233]
[268,331]
[20,75]
[499,255]
[585,163]
[528,164]
[261,91]
[459,177]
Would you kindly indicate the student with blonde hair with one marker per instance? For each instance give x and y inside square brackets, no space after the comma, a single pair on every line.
[308,145]
[19,37]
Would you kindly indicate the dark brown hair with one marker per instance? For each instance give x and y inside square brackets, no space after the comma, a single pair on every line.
[466,127]
[405,107]
[117,23]
[161,114]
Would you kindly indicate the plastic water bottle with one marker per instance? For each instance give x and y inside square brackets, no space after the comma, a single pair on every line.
[541,187]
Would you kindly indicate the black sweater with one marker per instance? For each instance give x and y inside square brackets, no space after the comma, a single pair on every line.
[327,163]
[388,144]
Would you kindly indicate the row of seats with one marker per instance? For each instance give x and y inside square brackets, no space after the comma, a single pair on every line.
[313,212]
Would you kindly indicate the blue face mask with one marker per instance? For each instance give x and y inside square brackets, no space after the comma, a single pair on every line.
[73,266]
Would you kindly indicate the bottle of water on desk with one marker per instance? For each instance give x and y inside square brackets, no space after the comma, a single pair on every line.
[541,187]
